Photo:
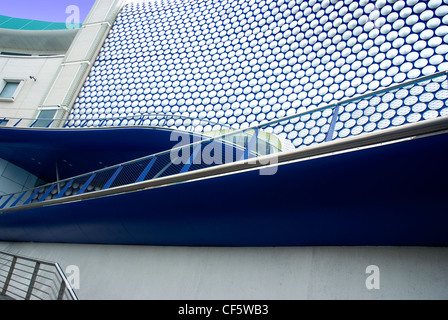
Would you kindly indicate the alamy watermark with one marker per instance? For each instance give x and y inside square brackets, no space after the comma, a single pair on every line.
[373,278]
[197,150]
[73,276]
[73,20]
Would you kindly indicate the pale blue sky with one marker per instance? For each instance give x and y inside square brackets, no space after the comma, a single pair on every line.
[46,10]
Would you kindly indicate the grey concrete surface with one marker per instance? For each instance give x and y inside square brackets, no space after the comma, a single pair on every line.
[208,273]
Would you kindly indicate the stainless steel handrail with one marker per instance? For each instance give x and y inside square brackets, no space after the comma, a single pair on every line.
[24,278]
[265,123]
[139,117]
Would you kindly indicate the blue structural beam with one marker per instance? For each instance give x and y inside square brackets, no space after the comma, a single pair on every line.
[165,168]
[193,156]
[112,179]
[47,193]
[334,119]
[7,200]
[68,184]
[146,170]
[18,199]
[250,146]
[32,196]
[86,184]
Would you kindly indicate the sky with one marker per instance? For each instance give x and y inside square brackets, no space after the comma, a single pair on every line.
[46,10]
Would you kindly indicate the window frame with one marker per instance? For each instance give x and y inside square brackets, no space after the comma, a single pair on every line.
[44,122]
[3,84]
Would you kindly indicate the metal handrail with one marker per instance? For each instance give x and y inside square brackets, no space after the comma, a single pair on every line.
[265,123]
[113,171]
[21,279]
[89,176]
[140,118]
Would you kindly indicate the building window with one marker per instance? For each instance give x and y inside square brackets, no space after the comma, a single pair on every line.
[45,118]
[9,90]
[16,54]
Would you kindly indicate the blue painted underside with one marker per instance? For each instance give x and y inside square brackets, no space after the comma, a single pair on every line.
[78,151]
[390,195]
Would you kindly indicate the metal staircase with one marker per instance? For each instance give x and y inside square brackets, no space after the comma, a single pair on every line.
[23,278]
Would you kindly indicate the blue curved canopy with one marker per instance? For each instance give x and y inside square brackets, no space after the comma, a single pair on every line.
[394,194]
[76,151]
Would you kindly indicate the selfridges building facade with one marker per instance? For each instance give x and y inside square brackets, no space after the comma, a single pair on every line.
[213,65]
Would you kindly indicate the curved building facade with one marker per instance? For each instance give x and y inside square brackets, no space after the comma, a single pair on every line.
[243,63]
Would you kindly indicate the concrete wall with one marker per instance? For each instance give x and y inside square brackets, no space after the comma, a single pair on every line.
[14,179]
[81,55]
[145,272]
[25,106]
[32,92]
